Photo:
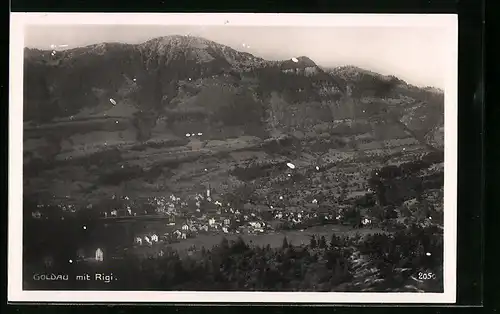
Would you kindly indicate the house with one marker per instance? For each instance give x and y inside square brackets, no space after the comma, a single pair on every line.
[138,240]
[99,255]
[114,213]
[154,238]
[211,221]
[255,224]
[204,228]
[36,215]
[227,221]
[366,221]
[185,227]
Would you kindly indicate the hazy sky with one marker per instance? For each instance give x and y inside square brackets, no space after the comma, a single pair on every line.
[414,54]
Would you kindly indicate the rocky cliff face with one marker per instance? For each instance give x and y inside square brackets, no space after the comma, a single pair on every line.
[172,101]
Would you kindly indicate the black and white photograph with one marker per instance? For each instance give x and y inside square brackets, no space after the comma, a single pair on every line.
[233,158]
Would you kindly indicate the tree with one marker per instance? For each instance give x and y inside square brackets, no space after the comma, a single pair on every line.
[224,243]
[322,242]
[313,243]
[285,243]
[335,241]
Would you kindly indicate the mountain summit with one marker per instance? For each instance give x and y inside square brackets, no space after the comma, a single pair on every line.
[167,75]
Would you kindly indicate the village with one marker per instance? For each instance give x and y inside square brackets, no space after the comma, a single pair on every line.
[203,214]
[325,195]
[212,216]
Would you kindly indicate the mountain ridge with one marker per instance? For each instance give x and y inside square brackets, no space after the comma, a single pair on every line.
[162,75]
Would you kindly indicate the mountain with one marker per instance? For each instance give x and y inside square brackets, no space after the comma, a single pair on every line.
[145,118]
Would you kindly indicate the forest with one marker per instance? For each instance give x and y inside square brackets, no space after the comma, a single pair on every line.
[376,262]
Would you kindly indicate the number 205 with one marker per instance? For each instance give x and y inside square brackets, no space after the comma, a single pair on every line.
[426,276]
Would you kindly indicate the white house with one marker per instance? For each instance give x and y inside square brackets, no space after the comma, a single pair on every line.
[227,221]
[255,224]
[211,221]
[138,240]
[154,238]
[99,255]
[185,228]
[114,213]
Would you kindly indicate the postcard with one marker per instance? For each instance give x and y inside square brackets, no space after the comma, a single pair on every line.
[249,158]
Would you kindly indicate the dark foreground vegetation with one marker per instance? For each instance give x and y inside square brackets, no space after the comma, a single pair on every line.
[378,262]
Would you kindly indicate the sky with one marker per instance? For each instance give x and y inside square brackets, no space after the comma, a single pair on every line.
[414,54]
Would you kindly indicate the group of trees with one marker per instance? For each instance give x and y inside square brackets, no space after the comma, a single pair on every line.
[321,265]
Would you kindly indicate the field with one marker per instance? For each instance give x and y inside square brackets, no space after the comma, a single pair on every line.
[274,240]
